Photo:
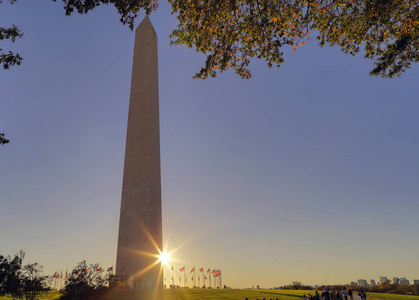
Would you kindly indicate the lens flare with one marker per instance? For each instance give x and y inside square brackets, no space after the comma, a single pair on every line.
[164,258]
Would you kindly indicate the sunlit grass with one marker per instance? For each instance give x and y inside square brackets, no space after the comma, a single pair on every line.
[49,296]
[381,296]
[197,294]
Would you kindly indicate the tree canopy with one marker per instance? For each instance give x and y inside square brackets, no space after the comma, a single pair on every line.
[10,273]
[9,33]
[86,282]
[3,140]
[21,282]
[231,32]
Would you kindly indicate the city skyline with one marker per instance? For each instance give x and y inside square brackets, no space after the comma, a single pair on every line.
[304,173]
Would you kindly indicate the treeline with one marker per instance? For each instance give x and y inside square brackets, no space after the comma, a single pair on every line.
[21,281]
[86,282]
[391,288]
[385,287]
[27,282]
[296,285]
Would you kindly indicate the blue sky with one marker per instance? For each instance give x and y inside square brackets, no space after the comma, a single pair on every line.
[307,172]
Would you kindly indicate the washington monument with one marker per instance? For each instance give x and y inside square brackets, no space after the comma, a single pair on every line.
[140,224]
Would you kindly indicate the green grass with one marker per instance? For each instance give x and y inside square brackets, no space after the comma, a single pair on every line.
[198,294]
[49,296]
[379,296]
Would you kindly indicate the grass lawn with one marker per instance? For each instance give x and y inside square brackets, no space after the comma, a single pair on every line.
[49,296]
[197,294]
[380,296]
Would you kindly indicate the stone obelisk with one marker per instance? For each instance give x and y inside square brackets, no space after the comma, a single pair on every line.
[140,225]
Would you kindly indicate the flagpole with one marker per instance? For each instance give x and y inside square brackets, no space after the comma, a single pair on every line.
[173,275]
[209,276]
[184,276]
[221,282]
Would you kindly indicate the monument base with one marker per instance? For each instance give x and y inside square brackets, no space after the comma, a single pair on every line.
[119,282]
[130,282]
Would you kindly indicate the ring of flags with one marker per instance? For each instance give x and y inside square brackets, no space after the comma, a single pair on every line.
[195,278]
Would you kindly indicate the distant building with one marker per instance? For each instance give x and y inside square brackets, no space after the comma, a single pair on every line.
[415,281]
[396,280]
[353,283]
[372,282]
[404,281]
[362,282]
[382,279]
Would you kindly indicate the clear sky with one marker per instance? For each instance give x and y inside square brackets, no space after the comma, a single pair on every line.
[308,172]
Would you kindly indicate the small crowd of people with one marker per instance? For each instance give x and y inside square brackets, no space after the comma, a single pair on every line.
[333,295]
[336,295]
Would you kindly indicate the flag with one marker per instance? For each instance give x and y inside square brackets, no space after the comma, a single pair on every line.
[201,270]
[61,275]
[193,270]
[192,278]
[213,271]
[88,270]
[172,268]
[208,270]
[205,277]
[65,277]
[182,269]
[110,269]
[99,270]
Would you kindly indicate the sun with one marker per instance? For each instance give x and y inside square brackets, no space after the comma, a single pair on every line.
[164,258]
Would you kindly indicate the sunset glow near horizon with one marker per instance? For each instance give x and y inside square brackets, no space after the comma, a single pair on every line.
[304,173]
